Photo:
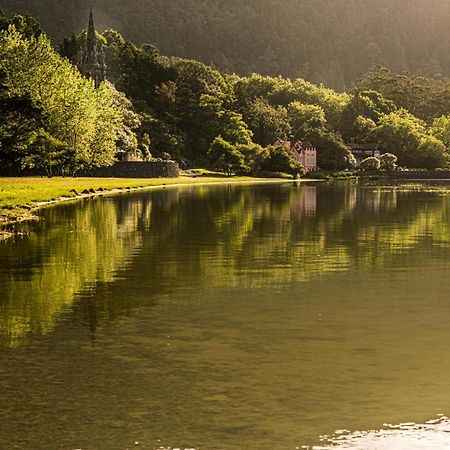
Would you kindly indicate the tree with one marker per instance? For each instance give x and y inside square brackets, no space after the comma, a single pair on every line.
[20,118]
[86,121]
[424,97]
[305,118]
[370,164]
[332,152]
[226,157]
[431,154]
[254,156]
[363,111]
[401,134]
[127,140]
[268,123]
[280,159]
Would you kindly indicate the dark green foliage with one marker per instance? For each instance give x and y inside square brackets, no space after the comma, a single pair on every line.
[20,117]
[226,158]
[332,152]
[325,41]
[426,98]
[170,107]
[362,113]
[280,159]
[268,123]
[26,25]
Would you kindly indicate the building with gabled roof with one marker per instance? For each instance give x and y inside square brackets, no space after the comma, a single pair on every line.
[303,151]
[361,151]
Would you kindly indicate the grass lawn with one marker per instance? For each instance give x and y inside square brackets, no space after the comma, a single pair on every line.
[19,196]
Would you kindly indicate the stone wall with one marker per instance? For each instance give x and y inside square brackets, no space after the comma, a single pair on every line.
[137,169]
[141,169]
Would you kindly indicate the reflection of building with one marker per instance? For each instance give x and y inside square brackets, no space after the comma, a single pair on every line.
[304,152]
[363,151]
[92,58]
[306,203]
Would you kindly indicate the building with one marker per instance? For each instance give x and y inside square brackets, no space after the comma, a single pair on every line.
[91,60]
[363,151]
[303,151]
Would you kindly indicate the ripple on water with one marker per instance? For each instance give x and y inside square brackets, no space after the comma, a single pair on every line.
[433,434]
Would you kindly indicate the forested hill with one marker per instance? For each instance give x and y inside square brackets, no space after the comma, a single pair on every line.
[329,41]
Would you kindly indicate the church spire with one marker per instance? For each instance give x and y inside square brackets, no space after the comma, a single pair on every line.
[91,39]
[92,59]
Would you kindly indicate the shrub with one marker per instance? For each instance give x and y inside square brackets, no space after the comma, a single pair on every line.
[370,164]
[226,158]
[280,159]
[388,161]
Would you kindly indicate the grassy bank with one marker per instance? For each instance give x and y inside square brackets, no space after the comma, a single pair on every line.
[20,197]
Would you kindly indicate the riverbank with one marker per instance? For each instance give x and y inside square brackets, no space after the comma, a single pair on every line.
[393,175]
[20,198]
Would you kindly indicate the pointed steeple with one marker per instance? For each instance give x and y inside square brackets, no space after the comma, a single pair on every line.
[91,39]
[92,59]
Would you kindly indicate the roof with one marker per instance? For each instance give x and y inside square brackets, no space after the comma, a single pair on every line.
[292,144]
[364,146]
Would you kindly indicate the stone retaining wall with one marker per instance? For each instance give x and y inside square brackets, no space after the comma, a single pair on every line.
[138,169]
[141,169]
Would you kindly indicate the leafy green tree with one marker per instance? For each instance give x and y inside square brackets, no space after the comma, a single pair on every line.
[406,137]
[254,156]
[26,25]
[431,154]
[20,117]
[440,129]
[46,153]
[84,119]
[224,156]
[332,152]
[425,98]
[268,123]
[364,109]
[127,140]
[305,118]
[280,159]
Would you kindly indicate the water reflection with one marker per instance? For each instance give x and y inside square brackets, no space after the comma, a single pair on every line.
[217,317]
[223,236]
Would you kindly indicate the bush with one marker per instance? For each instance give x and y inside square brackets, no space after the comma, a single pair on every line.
[388,161]
[371,164]
[280,159]
[226,158]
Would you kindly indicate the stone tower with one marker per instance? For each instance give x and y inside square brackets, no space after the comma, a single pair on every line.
[92,58]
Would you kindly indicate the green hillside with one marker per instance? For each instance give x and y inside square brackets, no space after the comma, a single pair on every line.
[329,41]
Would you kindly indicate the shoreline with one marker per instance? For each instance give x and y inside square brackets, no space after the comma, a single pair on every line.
[26,212]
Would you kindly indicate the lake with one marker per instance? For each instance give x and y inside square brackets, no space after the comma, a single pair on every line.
[229,317]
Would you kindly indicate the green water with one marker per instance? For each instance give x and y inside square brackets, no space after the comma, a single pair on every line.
[226,317]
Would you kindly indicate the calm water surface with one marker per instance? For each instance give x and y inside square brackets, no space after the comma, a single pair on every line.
[228,317]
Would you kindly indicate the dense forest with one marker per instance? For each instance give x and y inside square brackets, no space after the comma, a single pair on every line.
[168,107]
[333,42]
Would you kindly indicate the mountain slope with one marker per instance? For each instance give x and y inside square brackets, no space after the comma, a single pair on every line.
[329,41]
